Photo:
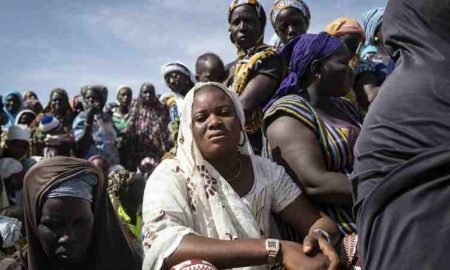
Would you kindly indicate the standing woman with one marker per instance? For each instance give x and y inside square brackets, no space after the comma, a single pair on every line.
[69,221]
[311,130]
[290,18]
[258,69]
[148,132]
[401,180]
[13,104]
[121,112]
[93,129]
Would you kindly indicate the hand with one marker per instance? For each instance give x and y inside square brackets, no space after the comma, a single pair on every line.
[295,259]
[90,112]
[52,140]
[314,243]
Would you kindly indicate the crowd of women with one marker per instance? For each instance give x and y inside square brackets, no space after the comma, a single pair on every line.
[273,161]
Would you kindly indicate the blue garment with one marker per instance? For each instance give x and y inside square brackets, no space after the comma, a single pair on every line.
[11,116]
[103,137]
[371,20]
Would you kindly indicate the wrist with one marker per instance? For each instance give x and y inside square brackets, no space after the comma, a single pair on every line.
[323,234]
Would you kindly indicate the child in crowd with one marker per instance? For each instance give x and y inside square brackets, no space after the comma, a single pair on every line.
[210,68]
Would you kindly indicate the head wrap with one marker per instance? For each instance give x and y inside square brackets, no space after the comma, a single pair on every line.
[119,182]
[101,89]
[26,95]
[109,247]
[81,186]
[22,112]
[9,166]
[122,87]
[280,5]
[260,13]
[300,53]
[177,67]
[344,25]
[371,20]
[18,132]
[11,116]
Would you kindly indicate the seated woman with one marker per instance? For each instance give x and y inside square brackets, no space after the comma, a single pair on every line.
[258,68]
[290,18]
[25,117]
[70,222]
[322,127]
[93,129]
[214,191]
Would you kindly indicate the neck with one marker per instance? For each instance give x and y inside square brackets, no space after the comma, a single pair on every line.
[123,109]
[226,165]
[315,96]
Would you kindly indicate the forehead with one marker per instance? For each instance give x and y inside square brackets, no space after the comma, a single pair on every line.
[65,205]
[243,11]
[290,14]
[125,91]
[210,96]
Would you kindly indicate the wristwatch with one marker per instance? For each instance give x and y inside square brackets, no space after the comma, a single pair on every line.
[272,247]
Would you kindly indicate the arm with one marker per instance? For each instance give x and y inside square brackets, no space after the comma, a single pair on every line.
[302,216]
[85,139]
[225,254]
[259,89]
[300,149]
[366,89]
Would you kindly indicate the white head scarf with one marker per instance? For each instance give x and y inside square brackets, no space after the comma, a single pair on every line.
[216,210]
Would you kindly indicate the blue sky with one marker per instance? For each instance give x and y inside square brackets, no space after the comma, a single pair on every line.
[53,43]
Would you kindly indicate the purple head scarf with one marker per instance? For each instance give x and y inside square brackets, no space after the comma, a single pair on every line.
[299,53]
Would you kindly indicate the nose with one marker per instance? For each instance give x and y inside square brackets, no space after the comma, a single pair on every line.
[292,32]
[214,122]
[67,236]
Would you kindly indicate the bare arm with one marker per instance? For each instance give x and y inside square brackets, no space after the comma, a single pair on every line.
[256,92]
[302,216]
[366,89]
[300,149]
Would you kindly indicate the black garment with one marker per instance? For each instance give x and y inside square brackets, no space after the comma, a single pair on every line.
[399,187]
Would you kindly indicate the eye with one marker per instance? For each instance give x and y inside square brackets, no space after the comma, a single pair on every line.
[200,118]
[53,224]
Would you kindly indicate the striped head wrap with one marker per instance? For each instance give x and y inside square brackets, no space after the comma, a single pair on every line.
[280,5]
[371,20]
[344,25]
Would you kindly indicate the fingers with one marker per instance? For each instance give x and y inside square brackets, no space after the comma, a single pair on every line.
[329,251]
[311,245]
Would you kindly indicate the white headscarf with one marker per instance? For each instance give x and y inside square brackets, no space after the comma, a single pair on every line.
[215,210]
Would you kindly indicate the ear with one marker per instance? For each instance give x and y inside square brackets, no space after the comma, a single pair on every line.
[315,68]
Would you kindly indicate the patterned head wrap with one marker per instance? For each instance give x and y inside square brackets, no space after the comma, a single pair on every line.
[300,53]
[344,25]
[80,186]
[280,5]
[260,13]
[371,20]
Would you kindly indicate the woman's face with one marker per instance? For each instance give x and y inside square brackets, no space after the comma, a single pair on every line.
[245,27]
[94,100]
[352,40]
[215,124]
[178,82]
[148,95]
[12,104]
[289,24]
[335,73]
[26,119]
[57,103]
[124,97]
[65,229]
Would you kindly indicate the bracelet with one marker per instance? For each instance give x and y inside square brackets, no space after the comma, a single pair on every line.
[324,234]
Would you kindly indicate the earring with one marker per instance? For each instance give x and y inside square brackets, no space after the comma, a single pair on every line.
[244,139]
[318,76]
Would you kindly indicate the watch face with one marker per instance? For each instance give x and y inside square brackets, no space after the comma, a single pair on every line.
[272,244]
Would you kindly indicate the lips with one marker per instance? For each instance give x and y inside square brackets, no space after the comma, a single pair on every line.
[217,135]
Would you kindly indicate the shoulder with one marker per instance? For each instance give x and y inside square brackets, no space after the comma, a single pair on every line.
[293,106]
[266,170]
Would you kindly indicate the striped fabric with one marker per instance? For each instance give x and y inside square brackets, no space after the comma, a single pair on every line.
[336,139]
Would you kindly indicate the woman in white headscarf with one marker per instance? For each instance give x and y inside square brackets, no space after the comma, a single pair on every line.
[215,190]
